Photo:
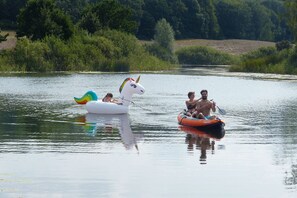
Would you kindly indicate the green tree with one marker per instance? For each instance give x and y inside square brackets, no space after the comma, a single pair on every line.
[234,17]
[162,46]
[111,15]
[210,27]
[74,8]
[8,12]
[291,16]
[41,18]
[261,27]
[136,8]
[164,35]
[90,22]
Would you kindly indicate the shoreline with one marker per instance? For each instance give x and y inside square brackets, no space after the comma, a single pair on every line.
[197,71]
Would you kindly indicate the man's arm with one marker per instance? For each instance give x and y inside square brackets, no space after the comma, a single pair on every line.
[213,108]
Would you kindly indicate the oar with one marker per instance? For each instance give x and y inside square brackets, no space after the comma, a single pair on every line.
[221,111]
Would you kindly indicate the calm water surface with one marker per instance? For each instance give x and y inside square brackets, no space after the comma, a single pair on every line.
[50,147]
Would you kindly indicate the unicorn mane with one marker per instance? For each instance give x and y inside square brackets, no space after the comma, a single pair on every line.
[123,84]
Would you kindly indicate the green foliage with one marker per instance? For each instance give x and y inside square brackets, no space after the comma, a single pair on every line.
[291,16]
[189,18]
[161,52]
[210,27]
[204,56]
[8,12]
[261,25]
[283,45]
[164,35]
[73,8]
[292,61]
[108,14]
[162,47]
[257,20]
[210,19]
[41,18]
[32,55]
[234,18]
[127,44]
[260,53]
[108,50]
[265,60]
[90,22]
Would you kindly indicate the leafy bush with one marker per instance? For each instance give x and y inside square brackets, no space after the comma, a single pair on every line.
[293,57]
[204,56]
[261,52]
[265,60]
[32,55]
[283,45]
[161,52]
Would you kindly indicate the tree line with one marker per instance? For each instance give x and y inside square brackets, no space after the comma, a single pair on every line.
[206,19]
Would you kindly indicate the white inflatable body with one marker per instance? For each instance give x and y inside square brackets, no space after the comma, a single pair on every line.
[99,107]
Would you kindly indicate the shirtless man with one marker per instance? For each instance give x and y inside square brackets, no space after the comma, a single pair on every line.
[204,106]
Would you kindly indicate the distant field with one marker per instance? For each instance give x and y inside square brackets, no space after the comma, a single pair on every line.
[233,46]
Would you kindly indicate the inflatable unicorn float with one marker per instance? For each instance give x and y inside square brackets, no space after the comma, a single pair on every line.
[127,89]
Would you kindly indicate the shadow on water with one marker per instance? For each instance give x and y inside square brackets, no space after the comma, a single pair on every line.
[108,124]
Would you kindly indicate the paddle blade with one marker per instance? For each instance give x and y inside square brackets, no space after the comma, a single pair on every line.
[221,111]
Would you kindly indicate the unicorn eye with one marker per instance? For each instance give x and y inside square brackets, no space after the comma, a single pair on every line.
[133,85]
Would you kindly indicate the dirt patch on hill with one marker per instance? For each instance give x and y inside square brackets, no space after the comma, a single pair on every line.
[232,46]
[11,40]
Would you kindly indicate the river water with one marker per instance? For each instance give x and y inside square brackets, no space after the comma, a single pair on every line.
[50,146]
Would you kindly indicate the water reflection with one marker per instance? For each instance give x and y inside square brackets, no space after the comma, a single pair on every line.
[109,124]
[204,140]
[291,177]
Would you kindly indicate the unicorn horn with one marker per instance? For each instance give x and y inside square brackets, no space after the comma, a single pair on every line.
[138,79]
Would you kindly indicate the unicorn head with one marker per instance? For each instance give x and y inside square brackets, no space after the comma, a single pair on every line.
[128,88]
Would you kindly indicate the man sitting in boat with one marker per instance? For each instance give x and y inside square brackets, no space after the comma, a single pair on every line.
[204,106]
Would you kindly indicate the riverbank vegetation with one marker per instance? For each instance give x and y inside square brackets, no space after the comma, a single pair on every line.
[103,35]
[202,55]
[268,60]
[107,50]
